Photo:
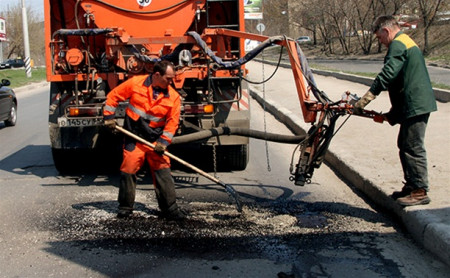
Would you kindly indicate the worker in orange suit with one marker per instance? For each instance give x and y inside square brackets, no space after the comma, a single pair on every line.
[153,113]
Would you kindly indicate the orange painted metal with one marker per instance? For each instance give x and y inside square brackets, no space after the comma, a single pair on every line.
[308,106]
[74,56]
[309,116]
[157,28]
[155,20]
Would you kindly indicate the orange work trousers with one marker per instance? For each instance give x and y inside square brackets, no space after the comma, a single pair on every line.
[134,156]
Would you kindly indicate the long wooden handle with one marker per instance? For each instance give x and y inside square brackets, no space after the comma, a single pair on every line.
[201,172]
[228,188]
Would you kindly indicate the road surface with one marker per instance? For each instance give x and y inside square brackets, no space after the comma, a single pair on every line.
[60,226]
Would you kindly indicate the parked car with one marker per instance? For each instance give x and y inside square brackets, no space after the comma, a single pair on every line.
[12,63]
[304,39]
[8,104]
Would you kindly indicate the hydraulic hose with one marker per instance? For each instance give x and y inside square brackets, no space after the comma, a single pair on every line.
[218,131]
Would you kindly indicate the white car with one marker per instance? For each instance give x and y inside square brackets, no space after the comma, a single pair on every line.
[304,39]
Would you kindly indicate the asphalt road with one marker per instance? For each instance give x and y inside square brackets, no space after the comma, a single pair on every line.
[54,225]
[437,74]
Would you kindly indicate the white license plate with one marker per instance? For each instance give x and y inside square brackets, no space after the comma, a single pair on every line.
[65,122]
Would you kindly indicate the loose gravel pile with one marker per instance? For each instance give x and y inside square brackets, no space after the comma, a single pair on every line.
[97,220]
[272,228]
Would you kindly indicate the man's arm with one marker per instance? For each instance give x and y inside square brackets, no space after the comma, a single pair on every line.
[118,94]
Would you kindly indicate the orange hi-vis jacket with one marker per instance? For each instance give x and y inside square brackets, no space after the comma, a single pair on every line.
[152,113]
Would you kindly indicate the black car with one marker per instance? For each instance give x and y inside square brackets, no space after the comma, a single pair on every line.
[8,104]
[12,63]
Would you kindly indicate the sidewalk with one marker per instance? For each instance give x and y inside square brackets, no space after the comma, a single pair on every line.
[365,153]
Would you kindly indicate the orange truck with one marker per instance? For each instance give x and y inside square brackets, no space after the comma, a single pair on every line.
[94,45]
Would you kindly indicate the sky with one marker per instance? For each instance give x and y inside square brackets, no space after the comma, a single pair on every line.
[37,6]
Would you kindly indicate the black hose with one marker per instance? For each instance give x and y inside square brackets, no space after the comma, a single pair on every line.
[218,131]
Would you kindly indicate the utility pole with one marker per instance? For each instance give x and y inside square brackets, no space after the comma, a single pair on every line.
[2,36]
[26,43]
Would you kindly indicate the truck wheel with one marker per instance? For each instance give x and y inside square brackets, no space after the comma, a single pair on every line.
[62,162]
[233,157]
[12,120]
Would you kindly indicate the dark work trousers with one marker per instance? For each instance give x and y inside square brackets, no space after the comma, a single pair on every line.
[164,189]
[127,191]
[134,155]
[413,155]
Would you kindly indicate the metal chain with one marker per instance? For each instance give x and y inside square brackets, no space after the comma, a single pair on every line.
[265,123]
[214,159]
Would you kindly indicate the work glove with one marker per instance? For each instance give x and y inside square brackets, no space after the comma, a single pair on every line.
[390,118]
[111,124]
[160,148]
[362,102]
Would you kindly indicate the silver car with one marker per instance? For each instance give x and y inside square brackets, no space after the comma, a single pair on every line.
[8,104]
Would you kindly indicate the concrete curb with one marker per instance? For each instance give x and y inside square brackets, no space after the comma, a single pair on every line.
[30,86]
[434,236]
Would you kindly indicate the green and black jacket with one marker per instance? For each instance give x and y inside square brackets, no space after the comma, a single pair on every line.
[405,76]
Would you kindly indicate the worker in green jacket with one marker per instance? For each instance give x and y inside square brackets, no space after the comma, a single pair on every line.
[405,76]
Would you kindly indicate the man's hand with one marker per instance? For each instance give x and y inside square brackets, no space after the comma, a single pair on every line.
[160,148]
[111,124]
[362,102]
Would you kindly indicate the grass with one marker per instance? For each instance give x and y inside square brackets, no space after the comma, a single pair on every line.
[18,77]
[440,86]
[371,75]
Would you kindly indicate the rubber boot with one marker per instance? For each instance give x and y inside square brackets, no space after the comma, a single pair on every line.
[165,194]
[127,194]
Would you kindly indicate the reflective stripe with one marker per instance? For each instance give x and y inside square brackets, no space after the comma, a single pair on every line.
[110,108]
[145,115]
[168,135]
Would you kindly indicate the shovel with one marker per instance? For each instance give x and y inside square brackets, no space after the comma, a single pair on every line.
[230,190]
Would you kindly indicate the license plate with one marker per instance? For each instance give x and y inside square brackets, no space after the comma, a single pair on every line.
[65,122]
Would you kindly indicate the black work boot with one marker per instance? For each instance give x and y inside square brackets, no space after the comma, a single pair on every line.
[165,194]
[174,213]
[406,190]
[416,197]
[127,194]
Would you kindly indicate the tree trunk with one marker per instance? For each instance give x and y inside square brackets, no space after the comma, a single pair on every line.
[425,44]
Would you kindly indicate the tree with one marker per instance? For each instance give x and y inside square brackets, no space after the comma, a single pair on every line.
[305,15]
[361,21]
[312,16]
[276,17]
[428,10]
[14,32]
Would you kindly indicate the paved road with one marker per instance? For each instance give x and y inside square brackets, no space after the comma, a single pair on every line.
[437,74]
[65,225]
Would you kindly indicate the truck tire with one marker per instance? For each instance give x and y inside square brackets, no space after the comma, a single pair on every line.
[61,161]
[233,157]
